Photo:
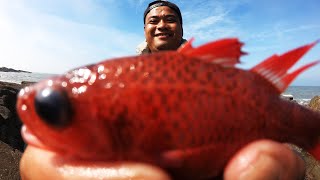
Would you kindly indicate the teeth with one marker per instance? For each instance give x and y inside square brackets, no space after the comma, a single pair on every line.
[163,35]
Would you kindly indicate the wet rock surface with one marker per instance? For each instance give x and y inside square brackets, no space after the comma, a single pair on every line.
[10,123]
[11,143]
[9,162]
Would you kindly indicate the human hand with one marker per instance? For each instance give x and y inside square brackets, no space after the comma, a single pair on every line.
[265,160]
[39,164]
[262,159]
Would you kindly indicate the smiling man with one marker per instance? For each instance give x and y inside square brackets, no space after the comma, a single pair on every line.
[162,28]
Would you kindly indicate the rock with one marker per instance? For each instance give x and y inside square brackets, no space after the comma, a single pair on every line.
[10,123]
[312,165]
[10,86]
[4,113]
[27,83]
[315,103]
[9,162]
[11,143]
[5,69]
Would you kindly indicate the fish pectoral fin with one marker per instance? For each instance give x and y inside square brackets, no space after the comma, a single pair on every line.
[275,68]
[226,52]
[315,151]
[198,162]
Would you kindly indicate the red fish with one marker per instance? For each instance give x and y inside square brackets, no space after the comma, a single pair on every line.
[186,111]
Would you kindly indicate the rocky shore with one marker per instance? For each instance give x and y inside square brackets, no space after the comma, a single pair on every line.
[5,69]
[12,145]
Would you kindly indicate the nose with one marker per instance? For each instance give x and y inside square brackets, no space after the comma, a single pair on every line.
[162,25]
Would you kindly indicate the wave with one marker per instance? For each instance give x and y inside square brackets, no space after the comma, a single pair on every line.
[302,101]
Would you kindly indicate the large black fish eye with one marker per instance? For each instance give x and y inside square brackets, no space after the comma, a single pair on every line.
[53,107]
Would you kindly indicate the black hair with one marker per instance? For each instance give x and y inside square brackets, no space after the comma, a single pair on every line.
[158,3]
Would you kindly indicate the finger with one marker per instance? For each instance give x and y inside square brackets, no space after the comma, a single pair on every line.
[265,160]
[39,164]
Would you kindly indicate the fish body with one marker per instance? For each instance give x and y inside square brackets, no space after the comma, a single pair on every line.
[187,111]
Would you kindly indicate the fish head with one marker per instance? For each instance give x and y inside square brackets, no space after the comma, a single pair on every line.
[62,114]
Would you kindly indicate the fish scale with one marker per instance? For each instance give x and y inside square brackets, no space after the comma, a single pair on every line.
[187,111]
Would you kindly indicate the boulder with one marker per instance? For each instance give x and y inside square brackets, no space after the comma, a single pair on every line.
[9,162]
[27,83]
[10,123]
[5,69]
[315,103]
[11,143]
[5,113]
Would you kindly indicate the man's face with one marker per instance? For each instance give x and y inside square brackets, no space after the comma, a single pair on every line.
[162,29]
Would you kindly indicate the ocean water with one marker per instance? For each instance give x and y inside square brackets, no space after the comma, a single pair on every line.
[15,77]
[301,94]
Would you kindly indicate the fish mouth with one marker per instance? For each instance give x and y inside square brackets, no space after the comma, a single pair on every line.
[30,138]
[35,143]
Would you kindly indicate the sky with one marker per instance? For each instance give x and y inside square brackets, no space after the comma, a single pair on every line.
[54,36]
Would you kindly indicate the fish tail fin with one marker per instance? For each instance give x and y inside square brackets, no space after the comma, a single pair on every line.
[291,76]
[315,151]
[226,52]
[275,68]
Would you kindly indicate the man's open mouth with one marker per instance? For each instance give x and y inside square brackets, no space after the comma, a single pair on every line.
[163,35]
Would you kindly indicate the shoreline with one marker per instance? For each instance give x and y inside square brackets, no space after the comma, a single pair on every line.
[18,77]
[6,69]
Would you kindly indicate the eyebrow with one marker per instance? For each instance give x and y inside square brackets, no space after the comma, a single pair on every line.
[168,15]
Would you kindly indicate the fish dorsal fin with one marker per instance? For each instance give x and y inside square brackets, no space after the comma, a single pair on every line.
[186,47]
[226,52]
[275,68]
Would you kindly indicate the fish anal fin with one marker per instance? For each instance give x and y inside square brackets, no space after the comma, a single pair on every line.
[275,68]
[225,51]
[198,160]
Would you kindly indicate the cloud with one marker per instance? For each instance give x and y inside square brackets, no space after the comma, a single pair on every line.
[282,32]
[56,35]
[207,20]
[38,41]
